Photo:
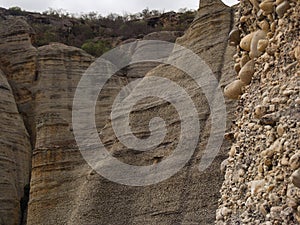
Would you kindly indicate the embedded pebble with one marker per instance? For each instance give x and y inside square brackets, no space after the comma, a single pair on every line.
[234,37]
[275,212]
[247,72]
[257,36]
[262,45]
[225,211]
[259,111]
[280,130]
[296,178]
[246,42]
[264,25]
[237,67]
[234,89]
[282,8]
[295,161]
[267,6]
[256,186]
[245,58]
[270,119]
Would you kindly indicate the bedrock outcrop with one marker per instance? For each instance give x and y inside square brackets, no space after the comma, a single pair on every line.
[15,158]
[262,178]
[190,196]
[63,187]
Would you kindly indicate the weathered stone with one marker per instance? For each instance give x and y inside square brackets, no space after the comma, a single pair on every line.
[264,25]
[247,72]
[246,42]
[280,130]
[270,119]
[234,89]
[262,45]
[234,37]
[257,36]
[295,161]
[15,158]
[282,8]
[296,178]
[267,6]
[259,111]
[63,189]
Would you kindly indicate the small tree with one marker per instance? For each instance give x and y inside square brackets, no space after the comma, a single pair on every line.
[96,48]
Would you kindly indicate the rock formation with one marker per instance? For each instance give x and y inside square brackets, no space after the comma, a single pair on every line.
[15,158]
[253,51]
[63,189]
[262,178]
[190,197]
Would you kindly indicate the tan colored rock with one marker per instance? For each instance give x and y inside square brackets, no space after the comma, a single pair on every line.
[256,186]
[262,45]
[257,36]
[246,42]
[267,6]
[237,67]
[247,72]
[297,53]
[105,202]
[63,190]
[234,89]
[15,158]
[255,4]
[280,130]
[296,178]
[282,8]
[267,149]
[234,37]
[259,111]
[60,69]
[295,161]
[264,25]
[245,58]
[19,57]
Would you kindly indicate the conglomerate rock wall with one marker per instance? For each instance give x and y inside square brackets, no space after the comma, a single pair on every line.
[262,177]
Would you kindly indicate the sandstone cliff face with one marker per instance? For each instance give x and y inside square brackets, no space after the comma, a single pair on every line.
[15,158]
[64,189]
[18,62]
[261,181]
[44,81]
[190,197]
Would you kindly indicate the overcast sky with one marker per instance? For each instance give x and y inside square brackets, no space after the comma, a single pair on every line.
[104,7]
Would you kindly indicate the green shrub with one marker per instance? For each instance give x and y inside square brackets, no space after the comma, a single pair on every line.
[96,48]
[16,11]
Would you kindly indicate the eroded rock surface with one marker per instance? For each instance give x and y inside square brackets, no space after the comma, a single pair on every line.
[189,197]
[64,189]
[15,158]
[261,181]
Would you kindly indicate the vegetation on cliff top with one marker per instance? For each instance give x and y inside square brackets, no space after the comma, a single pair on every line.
[95,33]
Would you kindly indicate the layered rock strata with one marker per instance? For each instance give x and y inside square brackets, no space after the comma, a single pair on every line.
[15,158]
[190,196]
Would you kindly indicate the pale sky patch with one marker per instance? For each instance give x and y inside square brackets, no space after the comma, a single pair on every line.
[104,7]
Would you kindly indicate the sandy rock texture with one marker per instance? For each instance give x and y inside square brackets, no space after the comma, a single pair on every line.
[262,177]
[189,197]
[252,50]
[15,158]
[38,86]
